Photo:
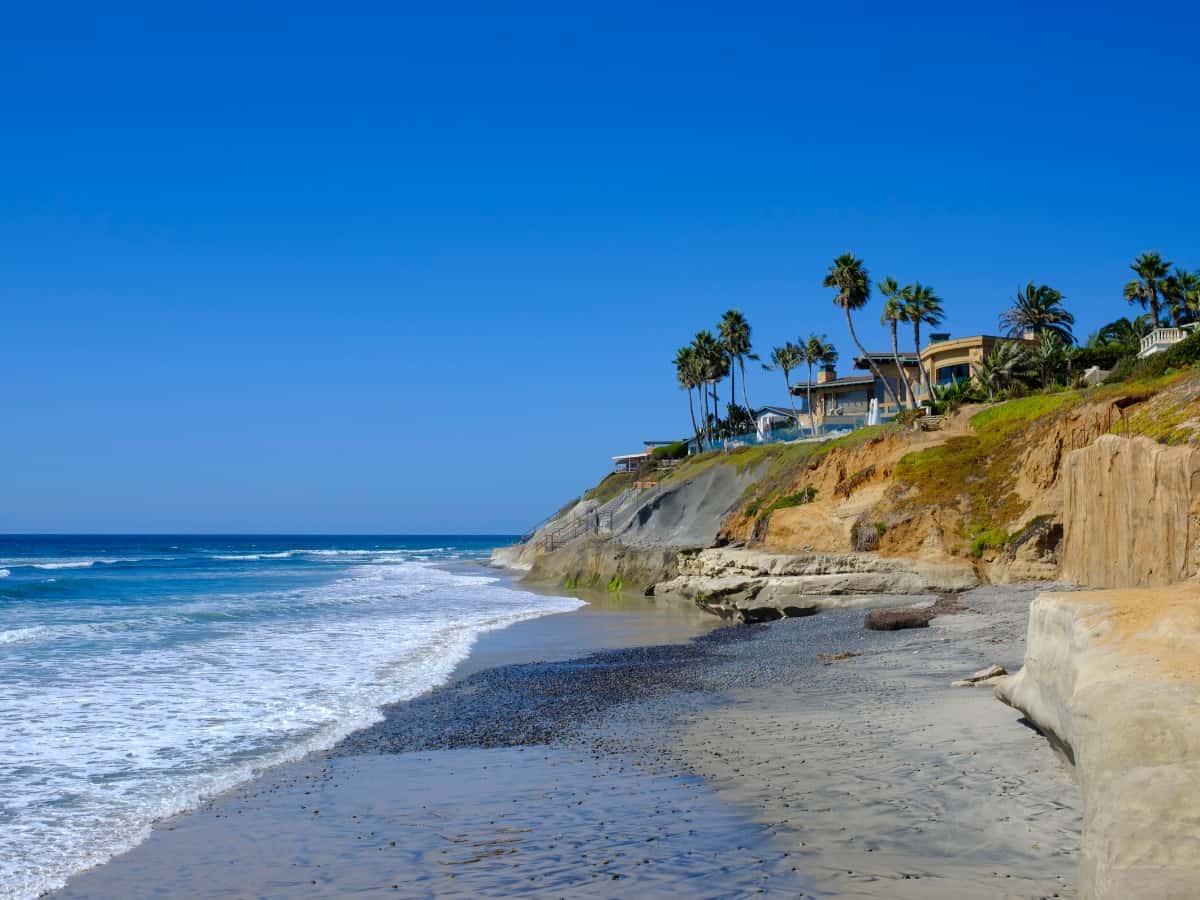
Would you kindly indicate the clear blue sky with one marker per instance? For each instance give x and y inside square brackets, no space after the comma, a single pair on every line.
[423,267]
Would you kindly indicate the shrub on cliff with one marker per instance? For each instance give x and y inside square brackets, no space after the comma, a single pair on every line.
[1183,355]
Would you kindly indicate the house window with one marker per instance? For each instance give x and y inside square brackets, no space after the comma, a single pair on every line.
[951,374]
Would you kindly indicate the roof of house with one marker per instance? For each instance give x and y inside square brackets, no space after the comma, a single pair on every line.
[774,411]
[848,381]
[968,339]
[639,455]
[906,359]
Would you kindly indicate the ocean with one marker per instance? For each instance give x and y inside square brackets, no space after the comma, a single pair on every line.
[139,675]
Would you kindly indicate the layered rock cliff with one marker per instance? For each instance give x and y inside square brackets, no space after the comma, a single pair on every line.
[1131,513]
[754,586]
[1113,679]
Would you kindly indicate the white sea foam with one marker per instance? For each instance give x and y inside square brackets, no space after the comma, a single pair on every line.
[219,687]
[4,573]
[251,557]
[18,635]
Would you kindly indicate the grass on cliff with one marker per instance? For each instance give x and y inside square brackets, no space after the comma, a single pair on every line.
[1165,408]
[977,472]
[611,485]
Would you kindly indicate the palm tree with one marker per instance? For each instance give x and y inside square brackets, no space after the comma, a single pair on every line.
[816,351]
[849,277]
[735,338]
[999,368]
[713,367]
[1151,269]
[786,359]
[1038,309]
[1047,354]
[921,304]
[1123,334]
[687,373]
[1189,283]
[893,315]
[1181,290]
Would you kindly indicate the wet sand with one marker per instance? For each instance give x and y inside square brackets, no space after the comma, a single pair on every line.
[732,764]
[885,781]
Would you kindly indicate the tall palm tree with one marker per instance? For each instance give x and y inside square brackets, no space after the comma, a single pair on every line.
[1037,309]
[922,305]
[849,277]
[998,369]
[1151,269]
[713,366]
[816,351]
[1181,291]
[734,331]
[687,373]
[786,359]
[893,315]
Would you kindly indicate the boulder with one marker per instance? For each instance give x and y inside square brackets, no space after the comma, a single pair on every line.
[910,616]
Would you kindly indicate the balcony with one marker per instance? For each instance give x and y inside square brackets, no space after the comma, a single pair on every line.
[1161,339]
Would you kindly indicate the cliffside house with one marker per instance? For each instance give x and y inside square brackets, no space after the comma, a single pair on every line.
[948,360]
[631,462]
[846,402]
[1161,339]
[837,402]
[907,377]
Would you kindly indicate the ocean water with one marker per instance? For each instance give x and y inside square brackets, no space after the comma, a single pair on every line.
[139,675]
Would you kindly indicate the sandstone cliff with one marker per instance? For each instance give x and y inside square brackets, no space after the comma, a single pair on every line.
[992,489]
[1130,513]
[1113,679]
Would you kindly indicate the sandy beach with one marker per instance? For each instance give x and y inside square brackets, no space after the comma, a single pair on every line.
[633,749]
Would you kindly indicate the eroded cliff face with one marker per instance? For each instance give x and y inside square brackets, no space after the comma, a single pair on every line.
[1000,488]
[927,495]
[1130,513]
[1113,679]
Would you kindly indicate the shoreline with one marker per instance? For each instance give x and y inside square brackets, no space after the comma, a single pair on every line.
[609,621]
[543,771]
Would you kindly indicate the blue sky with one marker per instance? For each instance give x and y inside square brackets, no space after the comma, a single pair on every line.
[423,267]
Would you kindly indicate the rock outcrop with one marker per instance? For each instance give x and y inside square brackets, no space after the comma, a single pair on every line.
[753,585]
[1130,513]
[1112,678]
[593,562]
[910,616]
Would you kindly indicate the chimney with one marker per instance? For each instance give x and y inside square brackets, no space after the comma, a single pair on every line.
[826,373]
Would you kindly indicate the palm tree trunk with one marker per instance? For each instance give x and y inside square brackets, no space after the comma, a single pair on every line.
[1154,311]
[732,378]
[791,400]
[708,413]
[900,379]
[920,363]
[870,362]
[692,413]
[745,398]
[812,416]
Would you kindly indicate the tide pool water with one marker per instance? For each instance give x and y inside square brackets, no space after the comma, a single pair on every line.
[139,675]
